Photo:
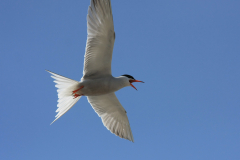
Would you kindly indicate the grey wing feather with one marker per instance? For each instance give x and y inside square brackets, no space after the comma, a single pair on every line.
[100,41]
[113,114]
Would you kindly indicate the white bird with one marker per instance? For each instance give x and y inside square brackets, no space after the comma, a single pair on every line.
[97,82]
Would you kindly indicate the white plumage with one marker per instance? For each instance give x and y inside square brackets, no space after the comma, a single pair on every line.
[65,99]
[100,41]
[97,82]
[113,114]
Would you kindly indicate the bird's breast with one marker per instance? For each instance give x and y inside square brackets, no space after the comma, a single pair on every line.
[100,86]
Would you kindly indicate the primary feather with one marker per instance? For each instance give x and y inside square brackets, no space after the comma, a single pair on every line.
[114,116]
[100,40]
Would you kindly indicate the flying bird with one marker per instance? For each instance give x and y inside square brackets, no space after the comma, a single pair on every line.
[97,83]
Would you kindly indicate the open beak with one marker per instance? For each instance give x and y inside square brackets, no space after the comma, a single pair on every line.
[131,81]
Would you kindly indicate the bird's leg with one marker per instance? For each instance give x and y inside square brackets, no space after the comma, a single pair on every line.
[75,94]
[78,89]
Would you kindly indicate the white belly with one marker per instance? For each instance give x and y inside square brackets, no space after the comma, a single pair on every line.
[100,86]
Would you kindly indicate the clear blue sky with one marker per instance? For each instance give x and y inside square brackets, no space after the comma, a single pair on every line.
[187,52]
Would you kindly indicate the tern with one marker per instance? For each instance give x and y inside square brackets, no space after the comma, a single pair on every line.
[97,83]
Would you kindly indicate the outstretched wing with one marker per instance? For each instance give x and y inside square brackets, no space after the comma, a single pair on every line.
[100,41]
[113,114]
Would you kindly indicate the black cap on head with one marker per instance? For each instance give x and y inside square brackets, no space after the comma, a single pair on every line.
[129,76]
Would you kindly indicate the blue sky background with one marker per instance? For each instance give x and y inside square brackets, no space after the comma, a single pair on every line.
[187,52]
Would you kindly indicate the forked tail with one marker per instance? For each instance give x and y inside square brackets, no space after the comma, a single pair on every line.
[66,98]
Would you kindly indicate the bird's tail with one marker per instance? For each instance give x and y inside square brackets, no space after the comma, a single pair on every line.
[66,97]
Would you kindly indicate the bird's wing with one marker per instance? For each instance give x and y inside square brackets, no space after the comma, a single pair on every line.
[100,40]
[113,114]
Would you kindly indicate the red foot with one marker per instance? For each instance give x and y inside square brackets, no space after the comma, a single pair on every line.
[78,89]
[76,95]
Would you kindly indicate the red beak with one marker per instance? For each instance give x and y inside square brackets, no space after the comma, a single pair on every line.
[131,81]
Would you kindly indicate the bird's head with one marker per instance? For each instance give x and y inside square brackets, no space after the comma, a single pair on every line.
[131,79]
